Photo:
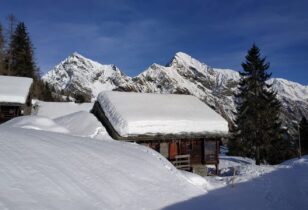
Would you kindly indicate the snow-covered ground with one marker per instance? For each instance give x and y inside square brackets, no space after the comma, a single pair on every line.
[58,109]
[79,123]
[70,162]
[49,170]
[261,187]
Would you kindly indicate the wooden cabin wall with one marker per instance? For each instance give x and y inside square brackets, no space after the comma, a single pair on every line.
[203,151]
[9,112]
[28,106]
[195,148]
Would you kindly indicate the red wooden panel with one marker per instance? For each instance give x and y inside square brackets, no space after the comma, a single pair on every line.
[173,150]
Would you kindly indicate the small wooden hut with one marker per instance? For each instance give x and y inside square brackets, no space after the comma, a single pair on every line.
[181,127]
[15,97]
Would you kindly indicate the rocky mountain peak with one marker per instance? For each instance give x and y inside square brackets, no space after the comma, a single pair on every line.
[78,74]
[182,75]
[183,61]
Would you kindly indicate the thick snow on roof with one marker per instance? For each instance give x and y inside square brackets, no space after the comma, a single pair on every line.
[144,113]
[14,89]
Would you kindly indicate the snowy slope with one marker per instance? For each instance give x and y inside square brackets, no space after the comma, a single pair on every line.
[57,109]
[47,170]
[83,123]
[80,74]
[36,123]
[42,168]
[283,187]
[293,96]
[289,89]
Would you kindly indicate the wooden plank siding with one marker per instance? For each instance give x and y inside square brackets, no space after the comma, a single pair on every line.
[9,112]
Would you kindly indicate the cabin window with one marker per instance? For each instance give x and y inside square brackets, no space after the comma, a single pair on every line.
[210,151]
[186,147]
[164,149]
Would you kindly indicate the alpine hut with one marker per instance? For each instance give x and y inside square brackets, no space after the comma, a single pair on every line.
[15,97]
[181,127]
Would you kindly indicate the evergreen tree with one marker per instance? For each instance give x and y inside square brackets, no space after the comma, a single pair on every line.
[2,57]
[21,50]
[258,133]
[11,28]
[304,135]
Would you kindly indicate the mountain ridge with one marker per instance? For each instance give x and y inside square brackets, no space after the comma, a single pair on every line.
[183,74]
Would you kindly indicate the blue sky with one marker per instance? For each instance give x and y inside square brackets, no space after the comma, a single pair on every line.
[133,34]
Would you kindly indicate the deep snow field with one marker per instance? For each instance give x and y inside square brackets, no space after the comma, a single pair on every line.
[68,161]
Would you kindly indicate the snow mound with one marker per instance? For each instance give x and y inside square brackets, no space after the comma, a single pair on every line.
[145,113]
[45,170]
[84,124]
[36,123]
[196,180]
[58,109]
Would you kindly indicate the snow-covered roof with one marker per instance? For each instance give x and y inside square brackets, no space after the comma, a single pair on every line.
[14,89]
[147,113]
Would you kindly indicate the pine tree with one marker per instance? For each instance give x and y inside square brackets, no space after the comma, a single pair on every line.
[11,28]
[2,54]
[257,124]
[304,135]
[42,91]
[20,47]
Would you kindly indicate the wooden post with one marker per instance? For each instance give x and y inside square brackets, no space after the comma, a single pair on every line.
[233,178]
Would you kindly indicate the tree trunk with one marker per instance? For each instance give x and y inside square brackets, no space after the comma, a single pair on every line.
[257,155]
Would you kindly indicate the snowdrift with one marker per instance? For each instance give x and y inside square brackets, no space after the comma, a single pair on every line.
[48,170]
[80,123]
[283,187]
[57,109]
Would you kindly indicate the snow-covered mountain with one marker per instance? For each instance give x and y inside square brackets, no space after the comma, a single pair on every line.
[293,96]
[79,74]
[182,75]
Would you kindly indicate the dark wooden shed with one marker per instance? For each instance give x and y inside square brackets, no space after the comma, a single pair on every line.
[15,97]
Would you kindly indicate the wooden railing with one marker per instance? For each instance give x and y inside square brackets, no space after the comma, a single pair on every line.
[182,162]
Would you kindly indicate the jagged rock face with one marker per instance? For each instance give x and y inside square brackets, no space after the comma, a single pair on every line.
[82,75]
[293,97]
[182,75]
